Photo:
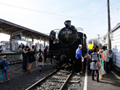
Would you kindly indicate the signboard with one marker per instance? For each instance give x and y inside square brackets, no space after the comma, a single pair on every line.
[17,36]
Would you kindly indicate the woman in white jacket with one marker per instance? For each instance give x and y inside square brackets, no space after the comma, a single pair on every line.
[40,60]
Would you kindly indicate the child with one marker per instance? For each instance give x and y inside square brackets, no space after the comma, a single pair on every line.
[4,68]
[40,60]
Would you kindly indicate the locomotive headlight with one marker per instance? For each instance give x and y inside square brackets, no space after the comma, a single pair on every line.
[66,36]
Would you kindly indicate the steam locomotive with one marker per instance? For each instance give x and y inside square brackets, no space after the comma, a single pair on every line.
[63,49]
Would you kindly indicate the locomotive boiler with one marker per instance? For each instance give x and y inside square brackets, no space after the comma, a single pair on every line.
[63,48]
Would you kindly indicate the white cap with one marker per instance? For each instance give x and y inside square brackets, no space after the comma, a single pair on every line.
[4,57]
[80,45]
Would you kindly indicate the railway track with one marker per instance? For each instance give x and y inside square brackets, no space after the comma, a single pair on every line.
[58,80]
[74,83]
[54,81]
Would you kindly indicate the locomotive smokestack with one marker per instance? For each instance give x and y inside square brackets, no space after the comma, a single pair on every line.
[67,23]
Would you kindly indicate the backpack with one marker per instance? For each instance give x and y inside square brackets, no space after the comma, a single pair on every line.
[1,66]
[95,56]
[40,58]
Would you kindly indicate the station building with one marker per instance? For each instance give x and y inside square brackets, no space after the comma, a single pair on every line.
[115,44]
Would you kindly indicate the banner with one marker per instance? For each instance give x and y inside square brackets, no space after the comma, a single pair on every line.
[17,36]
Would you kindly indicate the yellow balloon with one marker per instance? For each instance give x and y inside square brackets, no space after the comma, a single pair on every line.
[90,46]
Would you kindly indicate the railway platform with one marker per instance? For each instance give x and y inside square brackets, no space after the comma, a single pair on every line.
[110,81]
[20,80]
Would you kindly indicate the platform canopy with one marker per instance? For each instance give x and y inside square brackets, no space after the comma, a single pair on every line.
[12,29]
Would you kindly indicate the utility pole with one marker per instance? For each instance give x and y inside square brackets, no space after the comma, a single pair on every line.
[109,27]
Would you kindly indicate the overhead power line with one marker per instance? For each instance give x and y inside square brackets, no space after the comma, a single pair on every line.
[29,9]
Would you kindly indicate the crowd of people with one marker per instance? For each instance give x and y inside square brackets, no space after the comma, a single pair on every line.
[28,56]
[100,61]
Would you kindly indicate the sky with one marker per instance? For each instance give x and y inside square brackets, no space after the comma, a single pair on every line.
[47,15]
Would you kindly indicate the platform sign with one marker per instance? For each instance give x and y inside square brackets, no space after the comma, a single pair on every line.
[17,36]
[23,39]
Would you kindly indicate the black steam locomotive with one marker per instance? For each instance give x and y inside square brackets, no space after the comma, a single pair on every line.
[63,49]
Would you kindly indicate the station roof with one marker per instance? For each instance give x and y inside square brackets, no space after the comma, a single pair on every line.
[12,29]
[116,27]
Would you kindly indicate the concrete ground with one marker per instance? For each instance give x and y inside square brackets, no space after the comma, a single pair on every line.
[108,82]
[21,80]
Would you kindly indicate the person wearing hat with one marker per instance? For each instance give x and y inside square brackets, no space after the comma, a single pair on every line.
[40,60]
[4,67]
[78,61]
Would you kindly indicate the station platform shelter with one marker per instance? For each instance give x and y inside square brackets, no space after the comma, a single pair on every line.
[16,32]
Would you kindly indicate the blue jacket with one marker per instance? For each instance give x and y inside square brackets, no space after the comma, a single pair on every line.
[78,53]
[5,65]
[89,52]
